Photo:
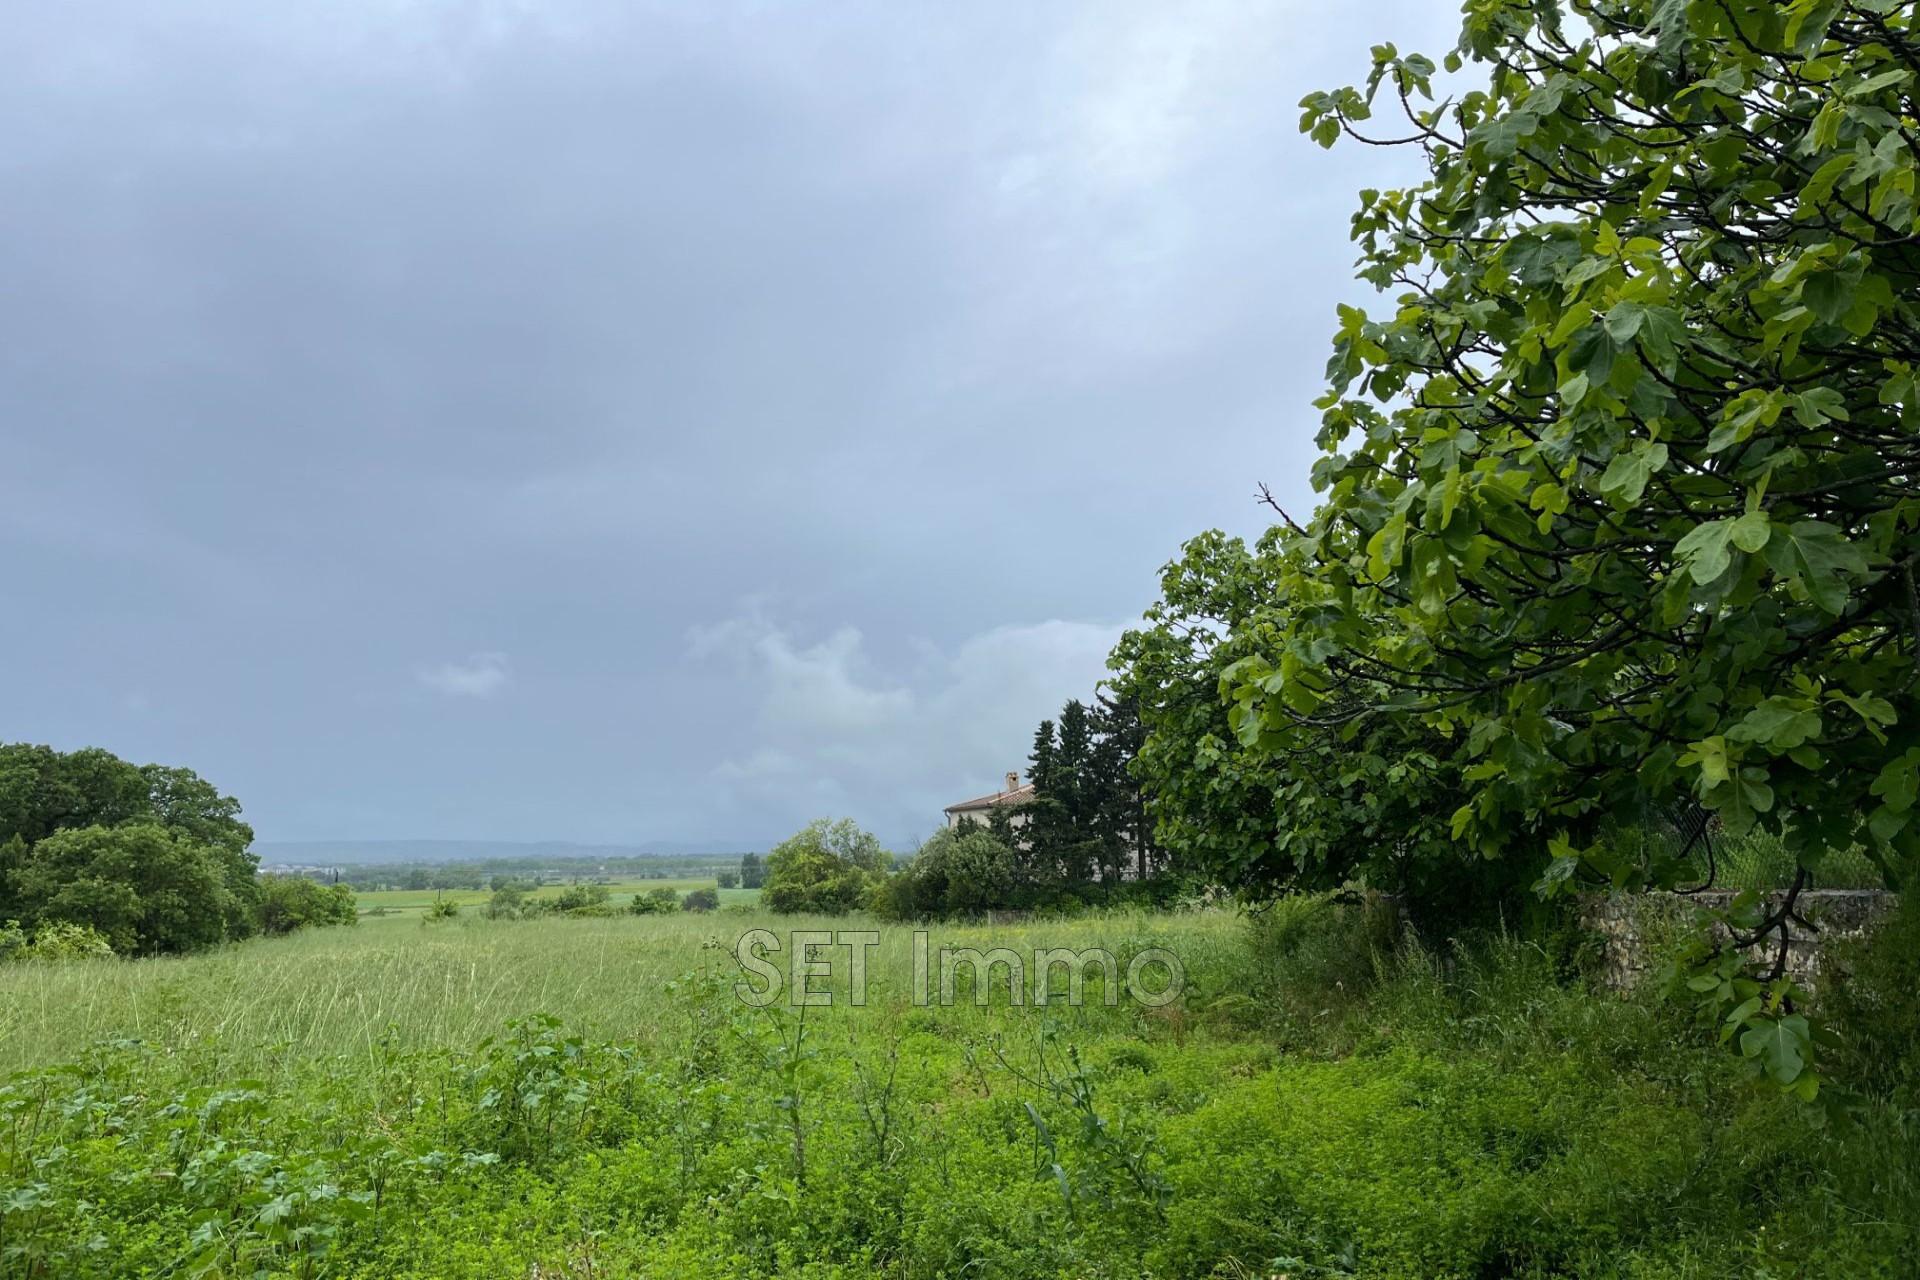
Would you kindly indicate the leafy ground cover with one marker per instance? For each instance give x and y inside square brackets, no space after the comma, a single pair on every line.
[386,1102]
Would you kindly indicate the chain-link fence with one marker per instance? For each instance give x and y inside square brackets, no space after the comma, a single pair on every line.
[1756,860]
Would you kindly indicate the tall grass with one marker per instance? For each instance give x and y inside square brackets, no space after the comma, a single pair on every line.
[1331,1100]
[399,982]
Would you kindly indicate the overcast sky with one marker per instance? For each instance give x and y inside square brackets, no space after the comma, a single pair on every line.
[615,422]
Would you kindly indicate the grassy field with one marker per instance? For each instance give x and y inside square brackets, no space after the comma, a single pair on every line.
[620,893]
[447,985]
[589,1098]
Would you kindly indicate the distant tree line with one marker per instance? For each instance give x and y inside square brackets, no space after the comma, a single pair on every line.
[148,859]
[491,873]
[517,900]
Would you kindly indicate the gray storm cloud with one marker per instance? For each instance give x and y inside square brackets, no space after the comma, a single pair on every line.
[832,729]
[344,351]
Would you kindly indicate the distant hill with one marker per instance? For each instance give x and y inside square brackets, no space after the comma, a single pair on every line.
[330,852]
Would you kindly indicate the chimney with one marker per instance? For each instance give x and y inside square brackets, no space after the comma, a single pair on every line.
[1013,782]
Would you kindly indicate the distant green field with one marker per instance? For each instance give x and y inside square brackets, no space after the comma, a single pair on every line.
[620,893]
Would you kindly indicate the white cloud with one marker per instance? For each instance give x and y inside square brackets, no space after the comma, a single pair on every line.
[834,734]
[481,676]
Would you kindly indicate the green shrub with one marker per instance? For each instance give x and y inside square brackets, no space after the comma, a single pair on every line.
[954,873]
[580,897]
[654,902]
[509,902]
[828,868]
[288,902]
[442,909]
[52,942]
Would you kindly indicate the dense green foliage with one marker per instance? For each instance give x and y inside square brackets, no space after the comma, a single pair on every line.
[753,871]
[584,899]
[956,872]
[295,902]
[829,867]
[1370,806]
[150,831]
[1617,501]
[1322,1104]
[654,902]
[58,941]
[43,791]
[970,870]
[193,808]
[150,858]
[143,887]
[1087,821]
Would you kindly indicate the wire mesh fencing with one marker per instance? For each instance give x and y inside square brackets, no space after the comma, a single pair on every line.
[1755,860]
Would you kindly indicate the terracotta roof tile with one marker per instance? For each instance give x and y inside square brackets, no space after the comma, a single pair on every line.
[1019,795]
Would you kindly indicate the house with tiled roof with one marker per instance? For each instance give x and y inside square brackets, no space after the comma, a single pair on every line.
[981,808]
[1011,800]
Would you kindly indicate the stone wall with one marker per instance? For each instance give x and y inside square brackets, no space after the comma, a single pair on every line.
[1634,926]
